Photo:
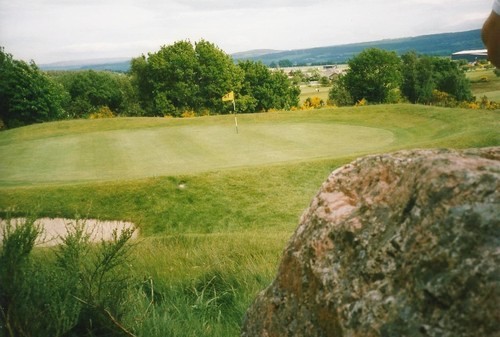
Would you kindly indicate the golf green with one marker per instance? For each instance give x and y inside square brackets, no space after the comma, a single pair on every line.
[170,148]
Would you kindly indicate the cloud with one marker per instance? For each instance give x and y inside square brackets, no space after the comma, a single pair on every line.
[202,5]
[47,29]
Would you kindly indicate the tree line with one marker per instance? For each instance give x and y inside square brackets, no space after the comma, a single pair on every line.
[179,79]
[379,76]
[189,79]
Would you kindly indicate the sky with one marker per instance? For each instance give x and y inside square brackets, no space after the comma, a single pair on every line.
[48,31]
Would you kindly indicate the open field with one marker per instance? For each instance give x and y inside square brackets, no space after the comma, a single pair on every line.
[214,226]
[313,91]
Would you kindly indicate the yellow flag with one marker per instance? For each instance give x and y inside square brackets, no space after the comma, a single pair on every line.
[228,97]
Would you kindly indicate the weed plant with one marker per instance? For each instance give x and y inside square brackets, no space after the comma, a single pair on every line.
[78,289]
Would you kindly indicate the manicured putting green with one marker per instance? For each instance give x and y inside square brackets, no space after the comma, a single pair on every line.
[171,148]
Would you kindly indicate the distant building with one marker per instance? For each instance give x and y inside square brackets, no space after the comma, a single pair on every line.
[470,55]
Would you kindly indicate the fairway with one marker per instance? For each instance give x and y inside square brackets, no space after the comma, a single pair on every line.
[168,148]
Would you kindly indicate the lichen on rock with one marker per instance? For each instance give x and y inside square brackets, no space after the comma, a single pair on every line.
[400,244]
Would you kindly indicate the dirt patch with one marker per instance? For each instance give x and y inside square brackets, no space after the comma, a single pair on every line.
[54,229]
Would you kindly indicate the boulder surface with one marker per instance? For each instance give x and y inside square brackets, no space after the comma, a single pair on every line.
[400,244]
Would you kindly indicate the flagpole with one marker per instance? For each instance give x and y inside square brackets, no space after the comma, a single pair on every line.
[235,119]
[230,97]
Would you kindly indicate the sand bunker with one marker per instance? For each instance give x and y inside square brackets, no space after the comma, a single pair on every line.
[55,229]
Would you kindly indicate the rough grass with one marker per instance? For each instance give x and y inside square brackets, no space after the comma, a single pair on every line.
[211,240]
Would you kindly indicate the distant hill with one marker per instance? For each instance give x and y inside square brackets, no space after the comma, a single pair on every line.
[112,64]
[254,53]
[437,44]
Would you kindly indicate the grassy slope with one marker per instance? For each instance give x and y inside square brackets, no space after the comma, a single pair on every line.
[228,225]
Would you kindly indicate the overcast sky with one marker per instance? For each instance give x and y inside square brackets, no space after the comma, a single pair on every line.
[59,30]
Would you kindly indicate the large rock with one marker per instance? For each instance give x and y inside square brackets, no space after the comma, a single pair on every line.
[402,244]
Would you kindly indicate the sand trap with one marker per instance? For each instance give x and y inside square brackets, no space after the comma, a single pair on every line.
[55,229]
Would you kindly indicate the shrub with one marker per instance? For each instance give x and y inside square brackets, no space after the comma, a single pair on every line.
[78,289]
[102,112]
[313,103]
[362,102]
[485,103]
[441,98]
[188,114]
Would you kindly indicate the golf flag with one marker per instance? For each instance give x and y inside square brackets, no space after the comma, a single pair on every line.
[228,97]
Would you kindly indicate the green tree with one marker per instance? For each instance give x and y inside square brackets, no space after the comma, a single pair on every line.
[297,76]
[339,95]
[139,71]
[422,75]
[270,89]
[418,79]
[451,79]
[285,63]
[27,95]
[173,74]
[91,90]
[184,77]
[324,81]
[373,75]
[217,75]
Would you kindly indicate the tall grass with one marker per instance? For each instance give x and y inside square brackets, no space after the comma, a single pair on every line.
[202,284]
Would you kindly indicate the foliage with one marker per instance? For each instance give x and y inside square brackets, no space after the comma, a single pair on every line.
[423,75]
[324,81]
[339,94]
[91,90]
[217,75]
[27,95]
[313,103]
[381,77]
[297,76]
[270,90]
[186,77]
[81,291]
[361,102]
[103,112]
[418,78]
[485,103]
[188,114]
[183,77]
[372,75]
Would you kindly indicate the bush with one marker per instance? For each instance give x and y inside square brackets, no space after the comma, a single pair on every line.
[78,289]
[443,99]
[313,103]
[361,102]
[102,112]
[188,114]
